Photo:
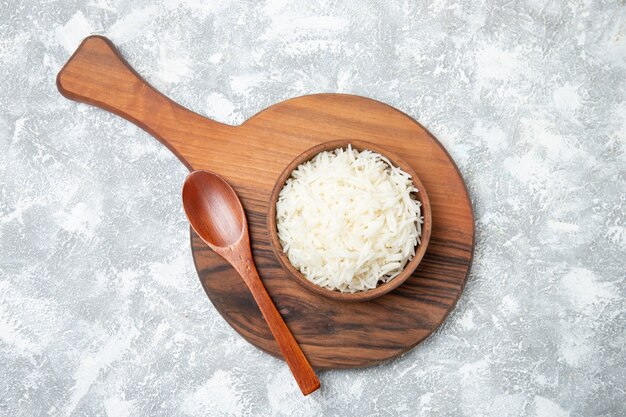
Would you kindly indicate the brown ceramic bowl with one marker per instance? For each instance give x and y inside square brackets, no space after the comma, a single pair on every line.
[382,288]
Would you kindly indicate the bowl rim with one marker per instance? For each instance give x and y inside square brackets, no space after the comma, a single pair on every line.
[383,288]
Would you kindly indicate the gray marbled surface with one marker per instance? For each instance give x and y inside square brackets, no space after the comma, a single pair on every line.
[101,312]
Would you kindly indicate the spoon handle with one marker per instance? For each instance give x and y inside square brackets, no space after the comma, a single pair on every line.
[298,363]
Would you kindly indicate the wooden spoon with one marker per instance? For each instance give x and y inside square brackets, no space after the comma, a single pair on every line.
[217,216]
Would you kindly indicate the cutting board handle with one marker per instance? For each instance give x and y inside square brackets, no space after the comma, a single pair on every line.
[98,75]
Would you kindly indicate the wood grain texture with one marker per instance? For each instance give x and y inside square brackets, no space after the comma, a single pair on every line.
[332,334]
[216,215]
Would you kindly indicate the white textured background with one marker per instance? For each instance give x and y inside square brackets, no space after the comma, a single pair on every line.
[101,312]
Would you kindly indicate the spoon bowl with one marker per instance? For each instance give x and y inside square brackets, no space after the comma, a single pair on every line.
[213,209]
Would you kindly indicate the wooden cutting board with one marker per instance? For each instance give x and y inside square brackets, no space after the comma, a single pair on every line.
[251,156]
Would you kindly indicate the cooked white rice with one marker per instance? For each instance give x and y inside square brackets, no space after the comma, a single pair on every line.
[347,220]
